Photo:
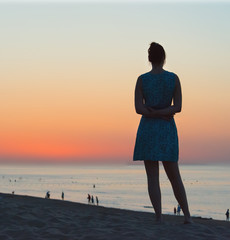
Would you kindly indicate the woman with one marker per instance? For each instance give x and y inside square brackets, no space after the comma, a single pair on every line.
[157,138]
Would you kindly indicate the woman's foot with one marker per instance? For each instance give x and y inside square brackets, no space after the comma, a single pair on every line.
[188,220]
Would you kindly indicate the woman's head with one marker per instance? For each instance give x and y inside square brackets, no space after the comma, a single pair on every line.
[156,54]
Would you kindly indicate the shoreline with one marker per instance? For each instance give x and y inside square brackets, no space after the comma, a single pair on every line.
[69,201]
[40,218]
[141,211]
[113,208]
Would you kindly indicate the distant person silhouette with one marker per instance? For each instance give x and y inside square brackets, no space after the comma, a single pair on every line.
[89,198]
[47,195]
[92,199]
[174,210]
[93,185]
[62,195]
[97,201]
[227,215]
[178,209]
[156,138]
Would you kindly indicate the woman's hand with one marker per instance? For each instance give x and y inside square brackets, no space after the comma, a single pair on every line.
[153,113]
[167,118]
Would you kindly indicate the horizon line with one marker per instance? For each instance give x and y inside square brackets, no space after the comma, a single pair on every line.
[113,1]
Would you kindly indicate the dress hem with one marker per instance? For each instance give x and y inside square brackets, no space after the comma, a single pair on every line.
[154,160]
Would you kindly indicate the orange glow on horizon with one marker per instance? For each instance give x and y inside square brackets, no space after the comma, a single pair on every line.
[61,149]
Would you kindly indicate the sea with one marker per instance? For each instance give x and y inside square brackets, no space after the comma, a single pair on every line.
[121,186]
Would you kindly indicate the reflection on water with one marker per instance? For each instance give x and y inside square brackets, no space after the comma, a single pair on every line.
[121,186]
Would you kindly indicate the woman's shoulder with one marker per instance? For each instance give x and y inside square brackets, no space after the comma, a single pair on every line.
[143,75]
[173,78]
[165,72]
[169,73]
[141,78]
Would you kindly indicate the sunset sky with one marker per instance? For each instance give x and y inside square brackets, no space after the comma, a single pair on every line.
[68,74]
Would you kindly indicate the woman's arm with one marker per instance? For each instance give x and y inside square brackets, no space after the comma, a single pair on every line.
[139,98]
[171,110]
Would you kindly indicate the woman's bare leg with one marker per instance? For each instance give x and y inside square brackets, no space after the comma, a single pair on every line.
[173,173]
[152,171]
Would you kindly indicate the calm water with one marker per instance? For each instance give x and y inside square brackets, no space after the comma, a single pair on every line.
[122,186]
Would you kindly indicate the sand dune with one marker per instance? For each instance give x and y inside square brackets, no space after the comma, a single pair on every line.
[24,217]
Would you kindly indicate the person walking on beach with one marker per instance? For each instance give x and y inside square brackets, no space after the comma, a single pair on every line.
[92,199]
[47,195]
[178,209]
[227,215]
[62,195]
[97,201]
[89,198]
[174,210]
[156,138]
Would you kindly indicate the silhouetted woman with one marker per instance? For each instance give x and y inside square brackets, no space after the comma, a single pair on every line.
[157,138]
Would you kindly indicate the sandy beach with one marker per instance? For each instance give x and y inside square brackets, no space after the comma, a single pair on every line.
[24,217]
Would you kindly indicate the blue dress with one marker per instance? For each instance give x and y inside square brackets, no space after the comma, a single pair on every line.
[157,139]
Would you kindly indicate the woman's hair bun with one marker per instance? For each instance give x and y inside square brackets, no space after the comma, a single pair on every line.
[156,53]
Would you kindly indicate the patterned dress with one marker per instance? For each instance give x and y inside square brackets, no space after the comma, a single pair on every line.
[156,138]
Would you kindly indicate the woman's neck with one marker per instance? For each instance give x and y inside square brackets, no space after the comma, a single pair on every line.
[157,69]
